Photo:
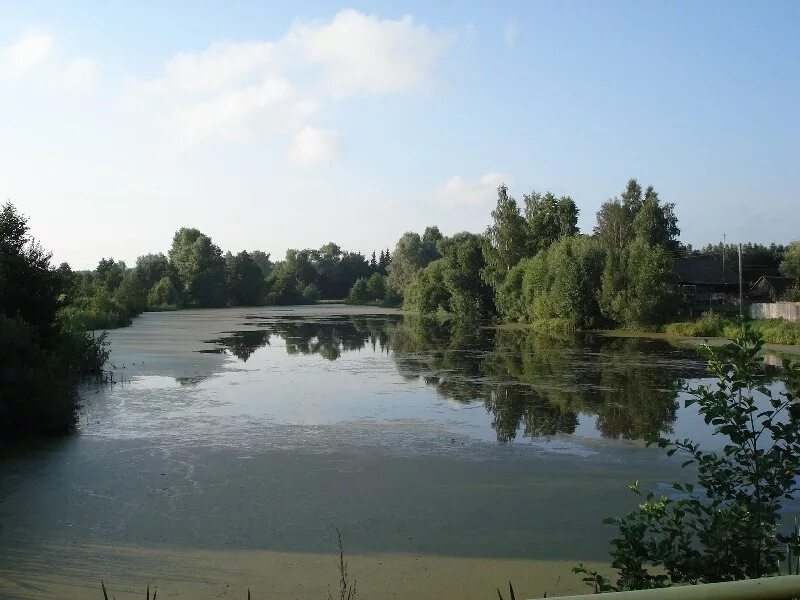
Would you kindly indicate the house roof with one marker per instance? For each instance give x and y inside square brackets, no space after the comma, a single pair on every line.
[778,284]
[705,270]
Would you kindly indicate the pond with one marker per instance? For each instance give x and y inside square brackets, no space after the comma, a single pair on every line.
[234,442]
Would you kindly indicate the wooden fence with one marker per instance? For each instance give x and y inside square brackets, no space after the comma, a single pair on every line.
[776,310]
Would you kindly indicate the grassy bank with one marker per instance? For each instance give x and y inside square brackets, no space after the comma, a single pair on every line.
[774,331]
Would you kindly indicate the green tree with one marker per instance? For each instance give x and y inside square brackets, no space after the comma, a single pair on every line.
[162,294]
[427,293]
[151,268]
[109,273]
[656,223]
[790,265]
[376,287]
[263,261]
[200,267]
[359,294]
[245,280]
[638,285]
[411,254]
[548,219]
[725,528]
[131,294]
[40,362]
[505,241]
[560,282]
[462,264]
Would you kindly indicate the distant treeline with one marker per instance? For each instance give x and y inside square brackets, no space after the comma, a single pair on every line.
[196,273]
[533,265]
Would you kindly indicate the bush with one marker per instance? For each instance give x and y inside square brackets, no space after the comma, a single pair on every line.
[726,528]
[38,390]
[708,325]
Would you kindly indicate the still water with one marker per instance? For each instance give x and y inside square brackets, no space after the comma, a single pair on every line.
[233,443]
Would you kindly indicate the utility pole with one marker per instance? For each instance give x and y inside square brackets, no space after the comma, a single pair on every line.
[724,248]
[741,294]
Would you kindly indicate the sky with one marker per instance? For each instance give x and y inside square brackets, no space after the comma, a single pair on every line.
[275,125]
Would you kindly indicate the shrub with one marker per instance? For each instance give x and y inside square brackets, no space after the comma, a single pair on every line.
[725,528]
[708,325]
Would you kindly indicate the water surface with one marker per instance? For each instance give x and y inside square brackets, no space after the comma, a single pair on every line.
[256,432]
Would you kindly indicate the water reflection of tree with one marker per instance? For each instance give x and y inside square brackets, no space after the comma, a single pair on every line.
[531,384]
[539,384]
[328,339]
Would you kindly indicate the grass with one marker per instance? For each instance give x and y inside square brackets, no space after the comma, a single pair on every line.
[774,331]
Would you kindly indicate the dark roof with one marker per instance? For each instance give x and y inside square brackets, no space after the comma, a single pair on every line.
[705,269]
[777,284]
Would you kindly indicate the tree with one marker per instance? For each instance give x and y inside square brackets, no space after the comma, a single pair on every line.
[790,265]
[638,285]
[162,294]
[726,528]
[631,216]
[505,239]
[560,282]
[199,266]
[41,362]
[28,285]
[151,268]
[263,261]
[428,294]
[383,262]
[462,263]
[245,280]
[549,219]
[376,287]
[131,294]
[109,273]
[656,223]
[411,254]
[358,294]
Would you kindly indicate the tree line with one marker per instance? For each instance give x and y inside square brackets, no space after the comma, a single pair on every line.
[533,265]
[196,273]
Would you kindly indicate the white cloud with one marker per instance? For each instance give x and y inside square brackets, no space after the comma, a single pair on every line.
[459,192]
[312,147]
[234,89]
[80,74]
[28,51]
[363,54]
[510,32]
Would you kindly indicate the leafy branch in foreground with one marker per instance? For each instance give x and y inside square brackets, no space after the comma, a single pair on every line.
[726,527]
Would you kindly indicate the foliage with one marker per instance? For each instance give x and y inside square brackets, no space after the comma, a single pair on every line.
[548,219]
[790,265]
[631,217]
[373,290]
[708,325]
[638,285]
[412,252]
[462,264]
[772,331]
[41,359]
[162,294]
[557,283]
[725,528]
[244,280]
[427,293]
[200,267]
[505,241]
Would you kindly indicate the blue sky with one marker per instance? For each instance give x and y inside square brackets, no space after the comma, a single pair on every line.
[275,125]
